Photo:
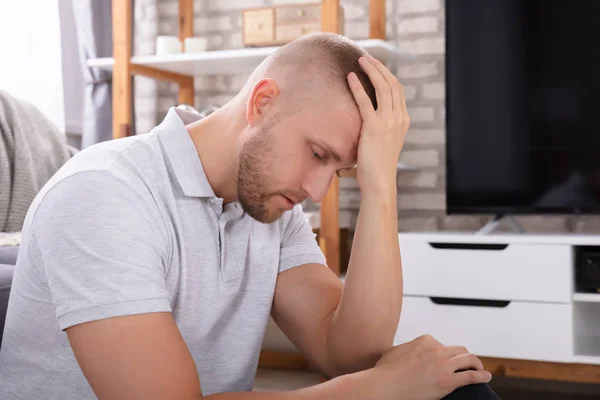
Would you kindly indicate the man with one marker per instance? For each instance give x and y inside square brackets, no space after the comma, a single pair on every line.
[150,265]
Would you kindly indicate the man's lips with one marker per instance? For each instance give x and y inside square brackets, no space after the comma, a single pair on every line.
[292,202]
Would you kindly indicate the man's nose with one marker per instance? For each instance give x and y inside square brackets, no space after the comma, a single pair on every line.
[317,186]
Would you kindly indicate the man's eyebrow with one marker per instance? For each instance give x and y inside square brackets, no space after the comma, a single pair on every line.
[335,155]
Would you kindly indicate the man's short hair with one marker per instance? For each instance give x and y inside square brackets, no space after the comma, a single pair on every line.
[322,58]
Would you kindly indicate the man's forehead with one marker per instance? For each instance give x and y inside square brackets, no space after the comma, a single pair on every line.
[344,115]
[349,123]
[341,145]
[339,125]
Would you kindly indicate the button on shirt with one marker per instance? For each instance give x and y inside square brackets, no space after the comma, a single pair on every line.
[133,226]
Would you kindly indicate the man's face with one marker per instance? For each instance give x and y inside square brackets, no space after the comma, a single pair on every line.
[289,159]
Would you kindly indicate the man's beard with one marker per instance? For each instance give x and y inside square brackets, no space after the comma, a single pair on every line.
[255,161]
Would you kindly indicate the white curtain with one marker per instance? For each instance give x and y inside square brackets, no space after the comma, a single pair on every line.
[93,19]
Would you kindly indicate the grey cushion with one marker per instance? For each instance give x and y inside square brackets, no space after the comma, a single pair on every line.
[8,254]
[6,275]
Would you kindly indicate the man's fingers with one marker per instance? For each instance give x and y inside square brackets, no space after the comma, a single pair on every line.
[395,87]
[400,110]
[470,377]
[362,99]
[466,361]
[453,351]
[404,109]
[387,74]
[382,87]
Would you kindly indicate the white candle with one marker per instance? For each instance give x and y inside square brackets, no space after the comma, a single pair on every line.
[168,45]
[195,44]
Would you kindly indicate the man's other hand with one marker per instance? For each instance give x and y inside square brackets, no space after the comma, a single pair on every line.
[425,369]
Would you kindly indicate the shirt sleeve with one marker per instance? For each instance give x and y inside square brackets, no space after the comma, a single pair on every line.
[103,248]
[299,245]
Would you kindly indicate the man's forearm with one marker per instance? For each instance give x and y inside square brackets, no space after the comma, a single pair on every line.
[366,319]
[358,386]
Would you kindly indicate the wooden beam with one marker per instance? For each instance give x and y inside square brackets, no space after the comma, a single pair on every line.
[377,19]
[330,213]
[280,360]
[186,30]
[330,16]
[121,80]
[330,226]
[159,74]
[186,19]
[186,91]
[580,373]
[351,173]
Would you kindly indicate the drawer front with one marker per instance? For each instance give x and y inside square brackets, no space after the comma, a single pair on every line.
[528,272]
[259,26]
[298,14]
[285,33]
[521,330]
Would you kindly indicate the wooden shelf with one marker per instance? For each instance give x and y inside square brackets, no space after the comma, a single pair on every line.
[351,173]
[555,371]
[234,61]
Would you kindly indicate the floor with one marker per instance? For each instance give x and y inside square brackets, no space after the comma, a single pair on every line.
[507,389]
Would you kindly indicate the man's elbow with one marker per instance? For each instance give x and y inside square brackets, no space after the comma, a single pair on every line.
[361,349]
[359,358]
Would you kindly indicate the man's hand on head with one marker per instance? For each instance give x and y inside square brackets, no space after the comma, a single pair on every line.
[383,129]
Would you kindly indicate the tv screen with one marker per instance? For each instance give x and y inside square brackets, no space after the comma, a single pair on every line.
[523,106]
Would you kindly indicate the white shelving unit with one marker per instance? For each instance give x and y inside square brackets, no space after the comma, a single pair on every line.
[504,295]
[235,61]
[586,329]
[586,297]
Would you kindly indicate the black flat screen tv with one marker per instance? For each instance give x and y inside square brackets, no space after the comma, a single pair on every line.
[522,106]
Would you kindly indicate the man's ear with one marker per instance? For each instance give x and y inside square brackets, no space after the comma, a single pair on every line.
[263,95]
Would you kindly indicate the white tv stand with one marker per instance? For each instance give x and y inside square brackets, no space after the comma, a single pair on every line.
[508,296]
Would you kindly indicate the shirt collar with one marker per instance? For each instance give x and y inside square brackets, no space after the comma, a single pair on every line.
[182,154]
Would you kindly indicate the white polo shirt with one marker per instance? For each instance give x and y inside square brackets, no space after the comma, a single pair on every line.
[132,226]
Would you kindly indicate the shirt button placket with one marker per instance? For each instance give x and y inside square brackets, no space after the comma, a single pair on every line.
[222,224]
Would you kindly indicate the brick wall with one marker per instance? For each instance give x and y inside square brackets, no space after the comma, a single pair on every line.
[415,25]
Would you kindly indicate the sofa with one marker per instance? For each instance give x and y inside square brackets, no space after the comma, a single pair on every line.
[32,149]
[8,259]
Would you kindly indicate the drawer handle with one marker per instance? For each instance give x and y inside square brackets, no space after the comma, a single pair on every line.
[469,246]
[469,302]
